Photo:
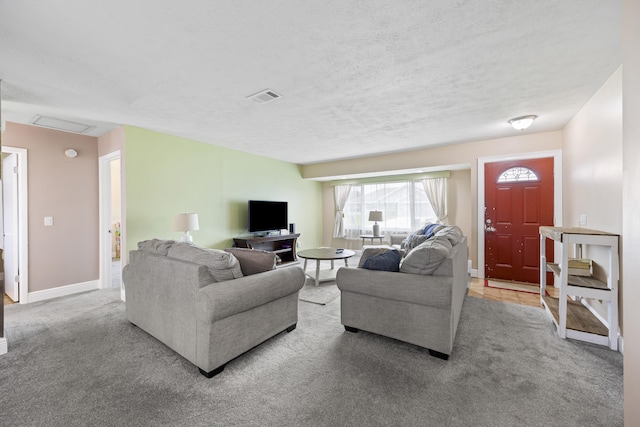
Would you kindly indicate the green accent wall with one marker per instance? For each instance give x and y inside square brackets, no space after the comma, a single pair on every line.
[166,175]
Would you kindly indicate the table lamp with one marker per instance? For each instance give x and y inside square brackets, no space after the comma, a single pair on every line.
[375,216]
[186,222]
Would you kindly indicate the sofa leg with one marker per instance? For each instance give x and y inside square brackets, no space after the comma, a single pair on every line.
[351,329]
[212,373]
[292,327]
[439,355]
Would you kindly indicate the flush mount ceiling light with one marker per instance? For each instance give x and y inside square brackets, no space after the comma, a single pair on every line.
[59,124]
[522,122]
[264,96]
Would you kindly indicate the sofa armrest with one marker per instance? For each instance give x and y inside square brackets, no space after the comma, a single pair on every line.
[223,299]
[414,288]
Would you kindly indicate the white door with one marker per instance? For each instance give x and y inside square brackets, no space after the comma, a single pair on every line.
[10,224]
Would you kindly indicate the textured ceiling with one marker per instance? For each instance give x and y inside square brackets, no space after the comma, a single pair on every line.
[358,78]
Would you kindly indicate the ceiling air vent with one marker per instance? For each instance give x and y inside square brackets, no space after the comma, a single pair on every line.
[264,96]
[59,124]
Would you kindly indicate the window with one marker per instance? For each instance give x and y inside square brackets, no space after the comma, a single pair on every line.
[518,174]
[404,207]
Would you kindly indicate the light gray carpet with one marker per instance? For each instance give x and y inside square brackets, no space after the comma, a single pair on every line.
[322,294]
[76,361]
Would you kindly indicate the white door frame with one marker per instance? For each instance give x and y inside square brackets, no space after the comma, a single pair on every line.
[23,221]
[557,192]
[104,171]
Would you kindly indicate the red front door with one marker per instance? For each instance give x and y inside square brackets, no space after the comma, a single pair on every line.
[518,200]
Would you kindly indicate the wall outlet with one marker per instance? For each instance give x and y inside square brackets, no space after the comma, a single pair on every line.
[48,221]
[583,219]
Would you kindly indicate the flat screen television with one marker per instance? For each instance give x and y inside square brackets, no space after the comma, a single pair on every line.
[267,216]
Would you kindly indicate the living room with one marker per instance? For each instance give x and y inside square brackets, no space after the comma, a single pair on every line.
[165,174]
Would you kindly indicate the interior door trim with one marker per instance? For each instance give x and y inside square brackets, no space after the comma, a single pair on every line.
[557,193]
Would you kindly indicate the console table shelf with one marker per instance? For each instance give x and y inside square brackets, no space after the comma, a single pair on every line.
[575,318]
[283,245]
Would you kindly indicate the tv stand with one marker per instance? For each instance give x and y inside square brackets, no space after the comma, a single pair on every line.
[282,245]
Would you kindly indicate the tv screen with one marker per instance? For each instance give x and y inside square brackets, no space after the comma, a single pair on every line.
[267,216]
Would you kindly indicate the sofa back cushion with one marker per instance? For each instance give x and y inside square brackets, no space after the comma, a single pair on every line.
[453,234]
[156,246]
[426,257]
[254,261]
[222,265]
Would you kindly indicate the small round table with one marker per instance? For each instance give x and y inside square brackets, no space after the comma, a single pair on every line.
[324,254]
[370,236]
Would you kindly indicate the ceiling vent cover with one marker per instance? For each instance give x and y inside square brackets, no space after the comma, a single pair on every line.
[59,124]
[264,96]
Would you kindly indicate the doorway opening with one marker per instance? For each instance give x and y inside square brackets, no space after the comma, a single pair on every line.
[110,221]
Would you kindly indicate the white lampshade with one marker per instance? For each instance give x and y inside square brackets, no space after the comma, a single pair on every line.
[186,222]
[521,123]
[375,215]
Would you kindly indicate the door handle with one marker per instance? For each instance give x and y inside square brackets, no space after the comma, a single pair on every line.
[488,227]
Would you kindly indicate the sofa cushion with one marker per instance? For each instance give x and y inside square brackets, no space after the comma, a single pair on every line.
[222,265]
[453,234]
[253,261]
[156,246]
[426,257]
[388,260]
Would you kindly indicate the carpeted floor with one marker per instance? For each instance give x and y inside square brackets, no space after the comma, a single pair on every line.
[76,361]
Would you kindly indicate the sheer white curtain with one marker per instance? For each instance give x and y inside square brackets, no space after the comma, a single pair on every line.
[341,195]
[436,189]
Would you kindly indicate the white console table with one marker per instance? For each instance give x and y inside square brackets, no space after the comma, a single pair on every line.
[575,318]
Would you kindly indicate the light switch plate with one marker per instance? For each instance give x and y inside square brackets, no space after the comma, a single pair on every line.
[583,219]
[48,221]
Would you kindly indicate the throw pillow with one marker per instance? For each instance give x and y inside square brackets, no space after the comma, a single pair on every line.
[386,261]
[412,241]
[253,261]
[222,265]
[156,246]
[431,229]
[370,252]
[425,258]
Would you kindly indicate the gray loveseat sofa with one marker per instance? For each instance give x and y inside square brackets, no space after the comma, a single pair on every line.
[421,303]
[200,304]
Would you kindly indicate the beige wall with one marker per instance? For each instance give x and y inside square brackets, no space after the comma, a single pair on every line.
[67,190]
[631,210]
[592,171]
[437,158]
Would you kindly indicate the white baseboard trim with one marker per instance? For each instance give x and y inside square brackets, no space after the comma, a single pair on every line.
[62,291]
[621,344]
[474,272]
[4,348]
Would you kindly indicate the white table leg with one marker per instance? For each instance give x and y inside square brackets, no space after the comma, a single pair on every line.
[332,264]
[346,264]
[317,272]
[305,265]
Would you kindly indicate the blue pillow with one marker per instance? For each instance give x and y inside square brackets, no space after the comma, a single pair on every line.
[429,229]
[387,261]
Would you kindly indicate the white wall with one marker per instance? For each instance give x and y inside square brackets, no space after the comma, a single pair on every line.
[592,171]
[631,209]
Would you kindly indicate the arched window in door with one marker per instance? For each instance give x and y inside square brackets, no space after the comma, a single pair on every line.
[518,174]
